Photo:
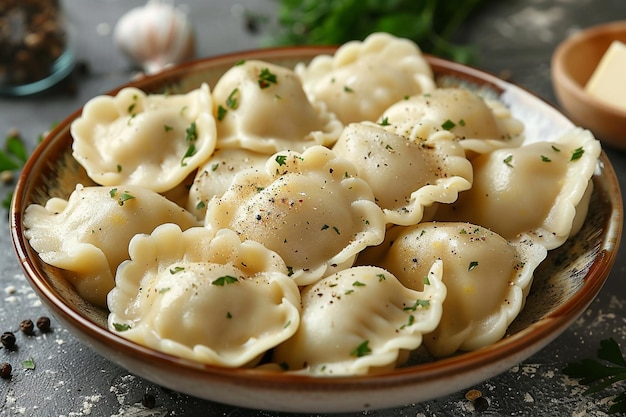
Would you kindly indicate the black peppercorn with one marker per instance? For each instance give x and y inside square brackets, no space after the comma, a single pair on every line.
[8,340]
[148,401]
[5,370]
[43,324]
[27,326]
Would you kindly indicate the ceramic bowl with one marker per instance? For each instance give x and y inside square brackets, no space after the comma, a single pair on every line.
[565,284]
[573,63]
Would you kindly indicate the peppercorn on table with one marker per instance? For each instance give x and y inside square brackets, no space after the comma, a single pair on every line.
[46,371]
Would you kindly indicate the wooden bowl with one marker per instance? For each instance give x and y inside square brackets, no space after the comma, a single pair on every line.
[573,63]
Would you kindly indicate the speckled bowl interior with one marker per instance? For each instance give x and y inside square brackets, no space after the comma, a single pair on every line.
[564,285]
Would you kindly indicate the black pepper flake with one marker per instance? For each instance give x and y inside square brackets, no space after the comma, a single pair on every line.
[43,324]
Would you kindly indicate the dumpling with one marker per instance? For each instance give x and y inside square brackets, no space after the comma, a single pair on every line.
[203,296]
[361,320]
[482,124]
[363,78]
[540,189]
[424,167]
[310,208]
[262,107]
[151,140]
[216,174]
[88,234]
[487,278]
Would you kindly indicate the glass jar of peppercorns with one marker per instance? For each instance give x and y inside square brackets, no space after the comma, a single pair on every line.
[35,51]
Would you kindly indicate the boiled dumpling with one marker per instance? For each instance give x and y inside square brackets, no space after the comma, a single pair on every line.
[88,234]
[363,78]
[541,189]
[150,140]
[360,321]
[425,167]
[487,278]
[216,174]
[262,107]
[310,208]
[204,296]
[481,124]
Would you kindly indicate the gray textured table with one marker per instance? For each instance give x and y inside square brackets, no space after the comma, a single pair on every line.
[515,38]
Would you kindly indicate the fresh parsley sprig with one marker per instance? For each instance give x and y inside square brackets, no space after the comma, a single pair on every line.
[601,373]
[12,158]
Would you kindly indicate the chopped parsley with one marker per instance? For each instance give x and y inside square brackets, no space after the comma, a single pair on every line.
[232,101]
[266,78]
[384,122]
[361,350]
[28,364]
[225,280]
[508,161]
[348,89]
[281,160]
[545,158]
[176,270]
[191,136]
[167,128]
[358,284]
[121,327]
[472,265]
[418,303]
[448,124]
[577,154]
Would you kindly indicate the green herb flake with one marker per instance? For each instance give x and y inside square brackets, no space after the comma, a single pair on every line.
[348,89]
[221,112]
[28,364]
[448,125]
[113,192]
[200,205]
[545,158]
[555,149]
[577,154]
[191,133]
[232,101]
[384,122]
[266,78]
[225,280]
[164,290]
[508,161]
[229,315]
[325,227]
[472,265]
[124,197]
[417,304]
[381,277]
[167,128]
[176,270]
[462,122]
[426,280]
[358,284]
[121,327]
[119,168]
[281,159]
[362,349]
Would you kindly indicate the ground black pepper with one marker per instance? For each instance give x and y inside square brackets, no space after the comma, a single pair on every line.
[32,38]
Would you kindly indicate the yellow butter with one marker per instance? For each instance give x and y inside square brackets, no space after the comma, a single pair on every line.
[608,81]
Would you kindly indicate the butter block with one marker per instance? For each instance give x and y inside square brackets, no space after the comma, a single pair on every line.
[608,81]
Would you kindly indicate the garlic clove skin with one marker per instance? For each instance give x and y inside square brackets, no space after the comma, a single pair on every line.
[155,36]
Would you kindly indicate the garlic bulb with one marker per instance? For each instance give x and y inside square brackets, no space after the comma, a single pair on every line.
[155,36]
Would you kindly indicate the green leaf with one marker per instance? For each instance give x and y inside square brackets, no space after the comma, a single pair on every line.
[16,147]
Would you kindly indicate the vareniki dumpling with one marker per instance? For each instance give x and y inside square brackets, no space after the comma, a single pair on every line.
[150,140]
[479,123]
[486,277]
[204,296]
[310,208]
[363,78]
[361,320]
[88,234]
[262,107]
[425,166]
[541,189]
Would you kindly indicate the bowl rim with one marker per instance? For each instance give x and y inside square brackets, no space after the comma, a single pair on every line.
[518,345]
[561,73]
